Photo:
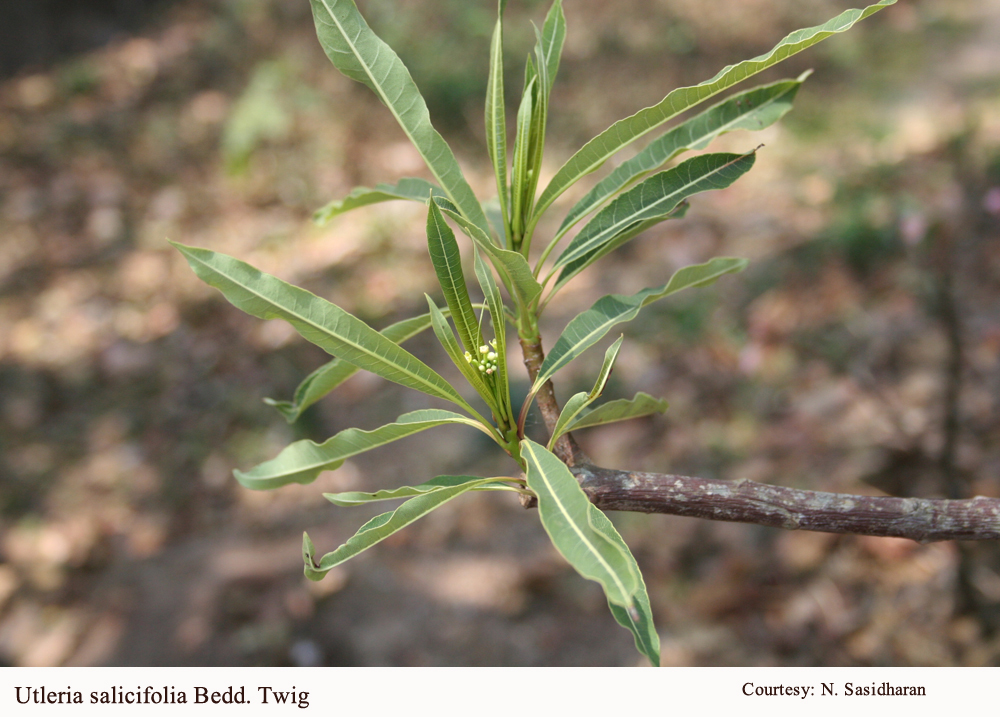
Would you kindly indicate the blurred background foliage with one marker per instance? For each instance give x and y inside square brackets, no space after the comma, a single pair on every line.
[859,353]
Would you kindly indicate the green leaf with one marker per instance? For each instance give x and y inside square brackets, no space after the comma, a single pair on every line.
[333,373]
[569,519]
[511,266]
[550,45]
[354,498]
[621,409]
[657,197]
[496,121]
[318,321]
[362,56]
[622,133]
[577,265]
[410,188]
[381,527]
[522,154]
[587,328]
[639,620]
[493,299]
[548,50]
[576,405]
[751,110]
[302,461]
[447,262]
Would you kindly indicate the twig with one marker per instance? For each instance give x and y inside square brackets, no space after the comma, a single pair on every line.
[744,501]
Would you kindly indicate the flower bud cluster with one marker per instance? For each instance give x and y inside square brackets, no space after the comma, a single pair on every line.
[486,361]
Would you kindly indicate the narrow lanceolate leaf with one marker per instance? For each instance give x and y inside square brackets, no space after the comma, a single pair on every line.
[578,403]
[409,188]
[601,250]
[361,55]
[622,133]
[575,529]
[447,262]
[496,122]
[382,526]
[522,154]
[550,44]
[656,197]
[751,110]
[548,50]
[353,498]
[451,346]
[318,321]
[333,373]
[639,620]
[587,328]
[512,267]
[620,410]
[303,461]
[493,299]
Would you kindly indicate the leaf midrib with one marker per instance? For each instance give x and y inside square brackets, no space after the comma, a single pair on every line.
[387,103]
[459,314]
[579,533]
[612,229]
[456,418]
[438,391]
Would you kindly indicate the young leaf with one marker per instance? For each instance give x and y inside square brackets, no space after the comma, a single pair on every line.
[622,133]
[302,461]
[522,154]
[751,110]
[317,320]
[587,328]
[569,519]
[639,620]
[550,44]
[621,409]
[447,262]
[333,373]
[496,122]
[381,527]
[511,266]
[410,188]
[657,197]
[576,405]
[361,55]
[548,50]
[353,498]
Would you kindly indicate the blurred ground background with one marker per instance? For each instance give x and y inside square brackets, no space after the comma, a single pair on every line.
[859,353]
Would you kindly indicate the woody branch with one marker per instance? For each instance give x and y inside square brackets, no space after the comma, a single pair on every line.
[745,501]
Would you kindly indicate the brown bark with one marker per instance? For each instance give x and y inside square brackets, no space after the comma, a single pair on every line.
[565,448]
[744,501]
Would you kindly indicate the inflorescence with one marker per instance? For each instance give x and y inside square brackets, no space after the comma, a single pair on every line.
[486,362]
